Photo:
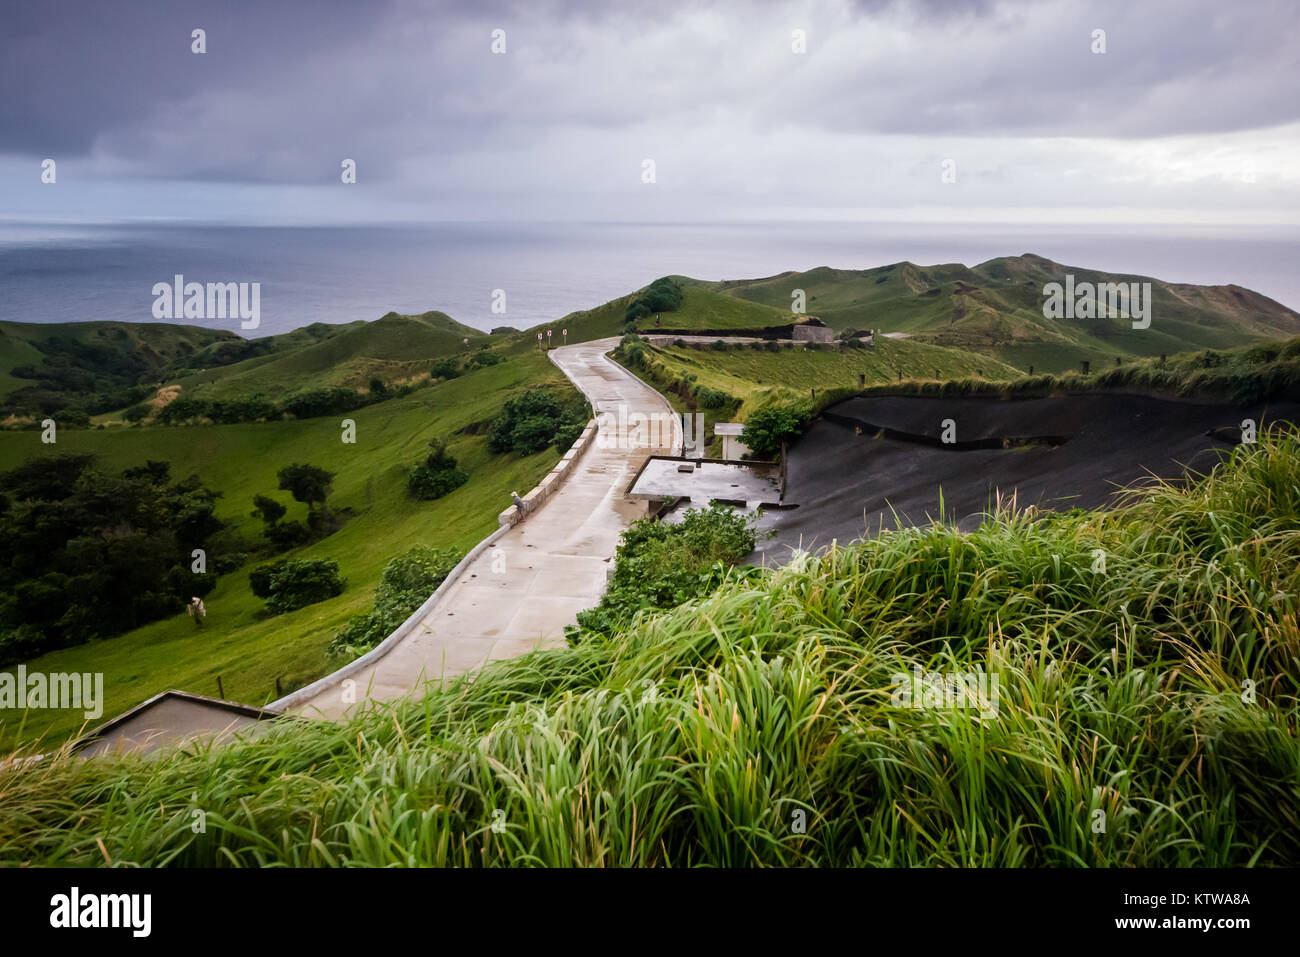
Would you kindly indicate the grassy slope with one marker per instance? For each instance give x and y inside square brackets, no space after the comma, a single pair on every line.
[241,460]
[158,342]
[694,737]
[759,377]
[1246,374]
[702,308]
[996,308]
[392,348]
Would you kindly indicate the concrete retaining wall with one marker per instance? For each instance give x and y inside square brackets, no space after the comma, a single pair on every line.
[553,480]
[296,698]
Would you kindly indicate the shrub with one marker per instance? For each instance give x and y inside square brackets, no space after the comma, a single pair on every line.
[437,475]
[296,583]
[445,369]
[529,423]
[481,360]
[567,434]
[408,580]
[767,428]
[662,565]
[706,398]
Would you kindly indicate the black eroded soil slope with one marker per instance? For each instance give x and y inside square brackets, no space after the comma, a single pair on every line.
[870,457]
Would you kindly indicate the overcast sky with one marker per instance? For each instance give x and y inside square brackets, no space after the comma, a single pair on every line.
[1191,114]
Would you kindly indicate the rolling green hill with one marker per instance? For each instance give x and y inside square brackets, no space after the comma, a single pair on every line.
[394,348]
[996,308]
[703,308]
[96,354]
[102,366]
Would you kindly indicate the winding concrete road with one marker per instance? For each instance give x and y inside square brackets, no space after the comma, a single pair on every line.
[517,595]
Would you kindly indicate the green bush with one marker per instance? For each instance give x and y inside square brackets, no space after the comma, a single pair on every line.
[296,583]
[481,360]
[661,565]
[445,369]
[408,580]
[767,428]
[437,475]
[530,422]
[662,295]
[706,398]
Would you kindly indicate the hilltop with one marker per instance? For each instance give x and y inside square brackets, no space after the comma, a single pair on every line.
[97,367]
[994,308]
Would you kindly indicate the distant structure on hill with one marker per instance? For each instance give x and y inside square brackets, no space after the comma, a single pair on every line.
[812,329]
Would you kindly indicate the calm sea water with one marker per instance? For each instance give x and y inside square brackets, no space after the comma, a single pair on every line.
[340,274]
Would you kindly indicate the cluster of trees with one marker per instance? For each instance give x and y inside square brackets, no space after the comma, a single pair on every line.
[407,581]
[450,367]
[661,565]
[307,404]
[309,485]
[530,422]
[78,377]
[295,583]
[437,475]
[86,553]
[662,295]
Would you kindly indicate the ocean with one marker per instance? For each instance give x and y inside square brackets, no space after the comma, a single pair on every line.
[57,273]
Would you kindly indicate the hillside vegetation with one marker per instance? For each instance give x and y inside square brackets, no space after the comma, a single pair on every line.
[1147,661]
[370,491]
[96,368]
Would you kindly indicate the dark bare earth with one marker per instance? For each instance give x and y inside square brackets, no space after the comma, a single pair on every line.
[875,463]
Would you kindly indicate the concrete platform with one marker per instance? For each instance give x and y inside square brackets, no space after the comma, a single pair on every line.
[708,481]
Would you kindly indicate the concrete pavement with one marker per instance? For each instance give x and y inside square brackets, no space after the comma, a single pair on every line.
[529,582]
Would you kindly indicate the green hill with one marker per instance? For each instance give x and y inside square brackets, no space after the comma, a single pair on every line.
[394,348]
[102,366]
[996,308]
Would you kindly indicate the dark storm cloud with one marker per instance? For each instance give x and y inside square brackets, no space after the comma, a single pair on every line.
[714,91]
[71,70]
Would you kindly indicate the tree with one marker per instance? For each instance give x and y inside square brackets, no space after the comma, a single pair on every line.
[295,583]
[437,475]
[268,509]
[307,484]
[768,428]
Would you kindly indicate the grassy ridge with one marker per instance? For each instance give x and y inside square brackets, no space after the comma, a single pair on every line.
[701,736]
[241,461]
[1243,375]
[758,377]
[996,308]
[392,347]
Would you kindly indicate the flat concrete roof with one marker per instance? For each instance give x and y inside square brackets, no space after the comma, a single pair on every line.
[707,480]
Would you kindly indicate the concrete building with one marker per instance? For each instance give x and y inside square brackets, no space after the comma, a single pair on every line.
[733,450]
[812,329]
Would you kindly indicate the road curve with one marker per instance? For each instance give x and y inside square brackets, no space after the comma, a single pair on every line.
[518,594]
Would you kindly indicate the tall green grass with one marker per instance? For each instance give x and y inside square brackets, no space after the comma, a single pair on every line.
[1127,733]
